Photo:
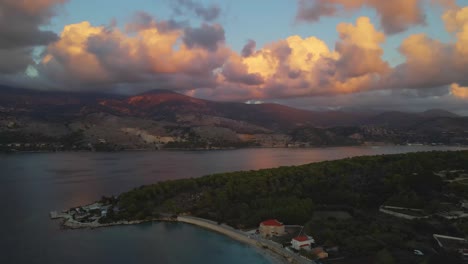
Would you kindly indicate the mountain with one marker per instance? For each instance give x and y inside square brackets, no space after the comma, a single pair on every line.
[395,119]
[438,113]
[47,104]
[162,118]
[160,104]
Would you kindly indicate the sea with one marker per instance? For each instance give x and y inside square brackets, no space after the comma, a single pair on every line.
[33,184]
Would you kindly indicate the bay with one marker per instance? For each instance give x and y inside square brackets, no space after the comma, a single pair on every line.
[32,184]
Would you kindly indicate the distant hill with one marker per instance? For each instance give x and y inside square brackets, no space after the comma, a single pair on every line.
[158,118]
[163,104]
[438,113]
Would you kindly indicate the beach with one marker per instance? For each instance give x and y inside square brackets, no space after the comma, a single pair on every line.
[273,251]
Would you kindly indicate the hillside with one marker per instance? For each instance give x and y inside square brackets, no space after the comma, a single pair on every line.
[160,118]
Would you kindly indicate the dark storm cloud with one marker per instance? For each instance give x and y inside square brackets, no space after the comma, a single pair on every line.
[206,36]
[207,13]
[14,60]
[20,31]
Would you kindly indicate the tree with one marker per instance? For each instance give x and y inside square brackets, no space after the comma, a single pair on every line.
[384,257]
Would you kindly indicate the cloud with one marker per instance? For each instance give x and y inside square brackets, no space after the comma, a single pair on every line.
[148,53]
[235,71]
[14,60]
[186,58]
[207,36]
[142,20]
[249,48]
[88,56]
[20,31]
[395,16]
[207,13]
[459,91]
[359,49]
[432,63]
[300,66]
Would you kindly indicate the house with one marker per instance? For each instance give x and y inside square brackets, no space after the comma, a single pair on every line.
[271,228]
[320,253]
[302,242]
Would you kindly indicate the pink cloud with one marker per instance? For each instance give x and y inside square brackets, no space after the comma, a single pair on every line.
[395,16]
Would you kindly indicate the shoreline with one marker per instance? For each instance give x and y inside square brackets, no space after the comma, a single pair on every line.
[270,250]
[229,148]
[274,253]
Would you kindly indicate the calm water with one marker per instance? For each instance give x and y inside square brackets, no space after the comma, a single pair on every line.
[32,184]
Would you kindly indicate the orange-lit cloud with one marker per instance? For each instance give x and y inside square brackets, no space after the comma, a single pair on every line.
[33,6]
[459,91]
[299,66]
[90,55]
[395,15]
[432,63]
[151,54]
[173,56]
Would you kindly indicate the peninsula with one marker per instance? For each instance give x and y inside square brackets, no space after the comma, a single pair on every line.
[357,209]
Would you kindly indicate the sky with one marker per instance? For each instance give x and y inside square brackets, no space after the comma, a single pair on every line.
[401,55]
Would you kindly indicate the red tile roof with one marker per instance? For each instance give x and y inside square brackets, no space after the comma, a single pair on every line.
[301,238]
[272,222]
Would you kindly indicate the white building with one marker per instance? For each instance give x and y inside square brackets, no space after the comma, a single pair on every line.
[302,242]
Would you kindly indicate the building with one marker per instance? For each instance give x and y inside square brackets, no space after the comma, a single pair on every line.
[302,242]
[271,228]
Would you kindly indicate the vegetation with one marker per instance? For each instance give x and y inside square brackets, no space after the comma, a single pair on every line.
[358,186]
[19,137]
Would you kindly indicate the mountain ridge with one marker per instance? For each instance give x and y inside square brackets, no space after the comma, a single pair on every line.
[162,118]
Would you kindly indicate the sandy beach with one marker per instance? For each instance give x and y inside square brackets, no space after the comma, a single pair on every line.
[271,250]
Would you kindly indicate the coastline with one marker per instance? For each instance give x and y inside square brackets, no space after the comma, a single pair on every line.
[230,148]
[270,250]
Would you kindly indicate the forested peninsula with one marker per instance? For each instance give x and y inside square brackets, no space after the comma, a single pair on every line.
[317,195]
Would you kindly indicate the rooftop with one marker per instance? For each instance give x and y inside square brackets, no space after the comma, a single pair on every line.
[272,222]
[301,238]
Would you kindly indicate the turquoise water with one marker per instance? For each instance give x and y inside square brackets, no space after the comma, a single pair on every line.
[32,184]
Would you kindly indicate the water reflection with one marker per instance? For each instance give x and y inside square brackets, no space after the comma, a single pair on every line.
[33,184]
